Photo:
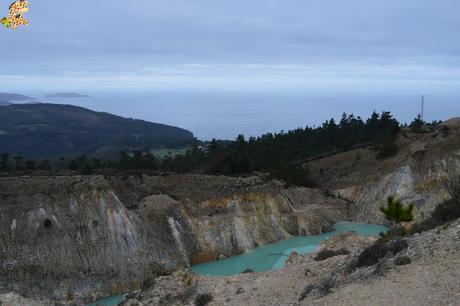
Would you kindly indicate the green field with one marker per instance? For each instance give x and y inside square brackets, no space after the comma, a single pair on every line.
[168,152]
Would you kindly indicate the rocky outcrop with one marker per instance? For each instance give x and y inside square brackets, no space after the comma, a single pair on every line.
[415,175]
[87,236]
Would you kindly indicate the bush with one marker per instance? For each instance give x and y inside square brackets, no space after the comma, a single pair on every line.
[447,211]
[386,149]
[293,175]
[203,299]
[322,288]
[47,223]
[403,260]
[397,245]
[325,254]
[248,271]
[69,295]
[423,226]
[371,255]
[306,292]
[326,284]
[418,125]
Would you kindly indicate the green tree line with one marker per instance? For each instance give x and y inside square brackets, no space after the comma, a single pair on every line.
[275,153]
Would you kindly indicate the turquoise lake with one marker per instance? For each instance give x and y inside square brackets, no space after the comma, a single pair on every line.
[273,256]
[268,257]
[109,301]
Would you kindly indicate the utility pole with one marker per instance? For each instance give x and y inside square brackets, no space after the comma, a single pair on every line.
[423,106]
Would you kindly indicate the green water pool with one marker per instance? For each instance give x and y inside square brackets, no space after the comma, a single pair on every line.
[274,256]
[109,301]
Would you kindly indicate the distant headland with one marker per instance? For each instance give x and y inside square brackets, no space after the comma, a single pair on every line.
[66,95]
[8,98]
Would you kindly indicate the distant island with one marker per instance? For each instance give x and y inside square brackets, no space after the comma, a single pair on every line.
[6,97]
[66,95]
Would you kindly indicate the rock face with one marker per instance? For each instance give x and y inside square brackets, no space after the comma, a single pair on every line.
[86,235]
[415,175]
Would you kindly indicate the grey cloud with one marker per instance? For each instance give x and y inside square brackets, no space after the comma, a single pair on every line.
[78,38]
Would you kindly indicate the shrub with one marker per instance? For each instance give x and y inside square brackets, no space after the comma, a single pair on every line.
[322,288]
[447,211]
[248,271]
[326,284]
[203,299]
[371,255]
[397,245]
[293,175]
[69,295]
[402,260]
[306,292]
[425,225]
[47,223]
[386,149]
[325,254]
[418,125]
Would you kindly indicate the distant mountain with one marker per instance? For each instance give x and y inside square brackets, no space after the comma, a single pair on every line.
[66,95]
[45,130]
[4,103]
[12,97]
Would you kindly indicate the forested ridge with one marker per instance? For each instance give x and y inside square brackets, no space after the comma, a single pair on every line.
[276,153]
[51,130]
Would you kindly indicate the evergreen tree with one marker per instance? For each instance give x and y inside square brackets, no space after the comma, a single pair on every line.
[396,213]
[30,164]
[417,125]
[4,161]
[19,162]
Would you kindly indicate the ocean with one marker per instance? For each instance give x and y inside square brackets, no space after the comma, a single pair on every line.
[224,115]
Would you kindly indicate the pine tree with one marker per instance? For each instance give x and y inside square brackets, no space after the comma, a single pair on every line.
[396,212]
[417,125]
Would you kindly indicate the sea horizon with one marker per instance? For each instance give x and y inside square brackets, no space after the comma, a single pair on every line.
[225,114]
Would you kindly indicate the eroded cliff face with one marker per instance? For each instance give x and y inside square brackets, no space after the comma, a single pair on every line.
[415,175]
[91,235]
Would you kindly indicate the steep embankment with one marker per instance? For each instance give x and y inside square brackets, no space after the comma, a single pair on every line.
[416,174]
[96,235]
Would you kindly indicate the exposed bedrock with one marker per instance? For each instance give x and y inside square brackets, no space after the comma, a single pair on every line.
[417,174]
[94,235]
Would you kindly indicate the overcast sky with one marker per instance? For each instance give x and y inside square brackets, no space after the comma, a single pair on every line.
[333,45]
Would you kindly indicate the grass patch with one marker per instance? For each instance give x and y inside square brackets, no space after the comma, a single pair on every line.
[163,153]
